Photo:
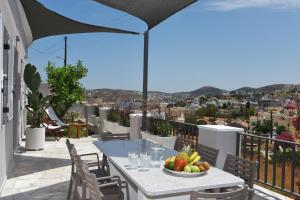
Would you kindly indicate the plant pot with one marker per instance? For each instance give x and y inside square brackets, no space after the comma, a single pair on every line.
[168,142]
[146,135]
[35,138]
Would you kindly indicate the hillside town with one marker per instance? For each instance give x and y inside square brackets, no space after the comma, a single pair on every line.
[273,107]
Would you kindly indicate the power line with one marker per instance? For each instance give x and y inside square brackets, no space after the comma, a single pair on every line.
[51,47]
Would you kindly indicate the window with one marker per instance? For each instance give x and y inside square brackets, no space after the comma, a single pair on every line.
[10,76]
[6,59]
[1,65]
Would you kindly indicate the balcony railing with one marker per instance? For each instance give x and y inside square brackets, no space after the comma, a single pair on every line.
[184,130]
[278,161]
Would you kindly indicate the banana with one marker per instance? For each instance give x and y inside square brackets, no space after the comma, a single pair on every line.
[193,156]
[196,159]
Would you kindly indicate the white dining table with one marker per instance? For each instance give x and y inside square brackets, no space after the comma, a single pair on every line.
[156,183]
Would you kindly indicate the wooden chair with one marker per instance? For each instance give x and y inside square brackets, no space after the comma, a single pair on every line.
[239,194]
[104,188]
[242,168]
[208,154]
[101,170]
[54,125]
[180,142]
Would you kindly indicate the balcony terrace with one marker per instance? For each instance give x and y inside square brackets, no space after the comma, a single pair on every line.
[43,175]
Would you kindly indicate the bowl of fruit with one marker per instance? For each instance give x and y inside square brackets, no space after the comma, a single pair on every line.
[186,164]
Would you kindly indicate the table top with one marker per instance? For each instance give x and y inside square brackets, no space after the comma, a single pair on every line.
[77,124]
[156,181]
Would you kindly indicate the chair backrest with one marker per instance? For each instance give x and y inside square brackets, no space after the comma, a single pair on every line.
[208,154]
[91,183]
[239,194]
[180,142]
[242,168]
[52,115]
[69,145]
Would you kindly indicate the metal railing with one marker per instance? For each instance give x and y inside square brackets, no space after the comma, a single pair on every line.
[278,161]
[183,130]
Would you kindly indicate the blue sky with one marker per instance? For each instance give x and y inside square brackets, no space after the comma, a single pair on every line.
[222,43]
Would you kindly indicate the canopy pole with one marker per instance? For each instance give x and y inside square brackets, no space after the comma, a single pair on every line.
[145,79]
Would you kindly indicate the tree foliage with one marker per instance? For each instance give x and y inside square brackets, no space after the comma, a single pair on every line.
[210,111]
[65,85]
[263,127]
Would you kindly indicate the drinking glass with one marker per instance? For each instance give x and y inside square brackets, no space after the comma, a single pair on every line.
[144,161]
[156,155]
[133,159]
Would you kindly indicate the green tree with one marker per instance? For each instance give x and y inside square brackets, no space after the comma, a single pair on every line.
[224,106]
[248,105]
[211,110]
[65,85]
[180,103]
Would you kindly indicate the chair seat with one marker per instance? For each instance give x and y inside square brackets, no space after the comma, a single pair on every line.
[112,193]
[99,173]
[109,193]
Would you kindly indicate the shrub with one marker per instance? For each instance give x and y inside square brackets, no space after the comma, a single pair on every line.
[72,116]
[280,129]
[114,116]
[160,128]
[164,129]
[287,136]
[288,156]
[125,119]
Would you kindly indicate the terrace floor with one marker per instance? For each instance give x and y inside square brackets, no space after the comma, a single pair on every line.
[43,174]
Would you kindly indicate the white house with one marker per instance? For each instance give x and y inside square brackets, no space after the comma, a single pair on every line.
[22,22]
[15,37]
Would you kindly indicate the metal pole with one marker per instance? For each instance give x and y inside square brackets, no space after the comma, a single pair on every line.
[65,58]
[145,79]
[271,124]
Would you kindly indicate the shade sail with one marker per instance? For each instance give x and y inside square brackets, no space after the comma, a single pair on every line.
[152,12]
[44,22]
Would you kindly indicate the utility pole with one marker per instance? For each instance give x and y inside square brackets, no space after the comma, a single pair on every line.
[66,43]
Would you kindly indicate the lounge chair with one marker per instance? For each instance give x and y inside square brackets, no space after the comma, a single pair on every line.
[55,125]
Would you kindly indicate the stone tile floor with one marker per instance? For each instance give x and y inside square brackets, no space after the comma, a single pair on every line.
[43,174]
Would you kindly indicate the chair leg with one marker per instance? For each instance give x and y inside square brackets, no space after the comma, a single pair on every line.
[52,133]
[70,189]
[75,191]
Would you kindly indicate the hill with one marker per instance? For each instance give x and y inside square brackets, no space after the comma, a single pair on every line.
[207,91]
[119,94]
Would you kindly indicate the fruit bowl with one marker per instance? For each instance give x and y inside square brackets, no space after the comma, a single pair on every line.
[184,174]
[186,164]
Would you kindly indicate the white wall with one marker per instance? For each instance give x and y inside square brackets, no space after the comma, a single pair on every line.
[115,127]
[219,137]
[12,130]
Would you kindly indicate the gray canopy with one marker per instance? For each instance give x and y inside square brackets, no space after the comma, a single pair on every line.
[44,22]
[152,12]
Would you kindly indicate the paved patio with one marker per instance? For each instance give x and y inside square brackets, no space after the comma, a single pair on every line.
[43,174]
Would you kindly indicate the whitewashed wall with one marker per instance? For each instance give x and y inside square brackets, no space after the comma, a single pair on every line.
[13,129]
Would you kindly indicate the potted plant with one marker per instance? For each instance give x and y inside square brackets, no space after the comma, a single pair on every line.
[35,134]
[160,132]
